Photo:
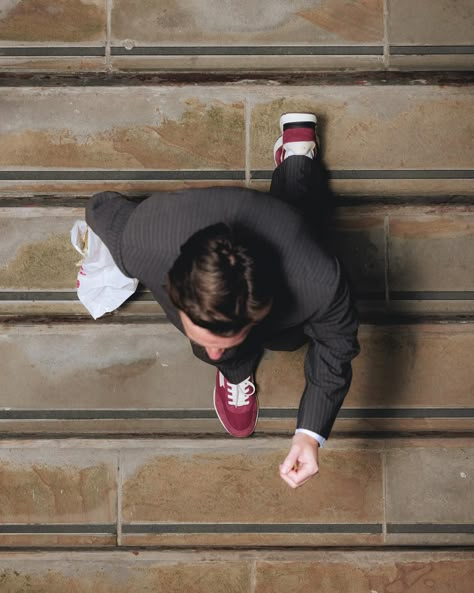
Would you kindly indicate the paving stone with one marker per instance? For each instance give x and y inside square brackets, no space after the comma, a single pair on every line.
[124,573]
[362,128]
[176,22]
[413,572]
[102,367]
[237,469]
[251,540]
[431,252]
[151,128]
[36,250]
[406,187]
[455,61]
[359,243]
[373,127]
[50,487]
[97,366]
[430,486]
[277,62]
[399,366]
[359,572]
[36,21]
[50,540]
[48,64]
[431,22]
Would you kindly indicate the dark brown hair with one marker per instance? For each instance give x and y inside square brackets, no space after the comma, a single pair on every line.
[221,280]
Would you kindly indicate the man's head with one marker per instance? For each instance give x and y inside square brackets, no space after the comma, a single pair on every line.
[221,281]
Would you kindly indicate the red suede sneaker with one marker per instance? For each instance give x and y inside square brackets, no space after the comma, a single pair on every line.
[298,136]
[236,405]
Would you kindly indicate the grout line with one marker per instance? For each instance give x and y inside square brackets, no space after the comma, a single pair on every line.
[253,576]
[119,498]
[108,61]
[384,496]
[248,112]
[386,46]
[386,228]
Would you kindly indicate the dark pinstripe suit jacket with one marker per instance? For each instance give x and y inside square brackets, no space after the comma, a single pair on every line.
[145,239]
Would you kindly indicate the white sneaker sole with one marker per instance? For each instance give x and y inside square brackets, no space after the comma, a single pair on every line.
[294,118]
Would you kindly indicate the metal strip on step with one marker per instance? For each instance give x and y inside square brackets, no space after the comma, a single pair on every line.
[90,528]
[122,175]
[250,50]
[203,413]
[428,50]
[375,174]
[250,528]
[45,52]
[430,528]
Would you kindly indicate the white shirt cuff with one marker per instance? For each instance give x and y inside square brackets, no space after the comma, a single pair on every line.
[321,440]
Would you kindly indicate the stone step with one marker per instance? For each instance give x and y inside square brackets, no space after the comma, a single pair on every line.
[96,378]
[407,137]
[225,492]
[335,34]
[238,572]
[406,259]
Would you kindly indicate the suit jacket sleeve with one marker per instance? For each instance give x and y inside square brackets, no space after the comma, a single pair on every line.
[107,213]
[333,344]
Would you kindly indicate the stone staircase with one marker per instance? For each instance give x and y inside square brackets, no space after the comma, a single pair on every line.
[115,475]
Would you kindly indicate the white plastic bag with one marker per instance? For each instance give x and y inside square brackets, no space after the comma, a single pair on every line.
[101,286]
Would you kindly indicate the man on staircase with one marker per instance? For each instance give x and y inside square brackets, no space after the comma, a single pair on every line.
[238,271]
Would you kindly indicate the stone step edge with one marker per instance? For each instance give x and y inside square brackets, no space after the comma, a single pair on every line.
[370,204]
[230,552]
[285,78]
[376,318]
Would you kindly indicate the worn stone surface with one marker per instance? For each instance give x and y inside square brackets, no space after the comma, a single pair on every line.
[47,21]
[464,61]
[407,188]
[432,485]
[102,367]
[75,187]
[252,539]
[141,366]
[399,366]
[354,478]
[359,573]
[151,128]
[36,250]
[54,540]
[166,128]
[144,63]
[432,252]
[303,21]
[431,22]
[51,64]
[373,127]
[45,486]
[124,573]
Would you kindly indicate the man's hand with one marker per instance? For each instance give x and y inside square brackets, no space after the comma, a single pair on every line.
[301,464]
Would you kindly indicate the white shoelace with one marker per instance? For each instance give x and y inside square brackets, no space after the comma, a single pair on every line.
[238,393]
